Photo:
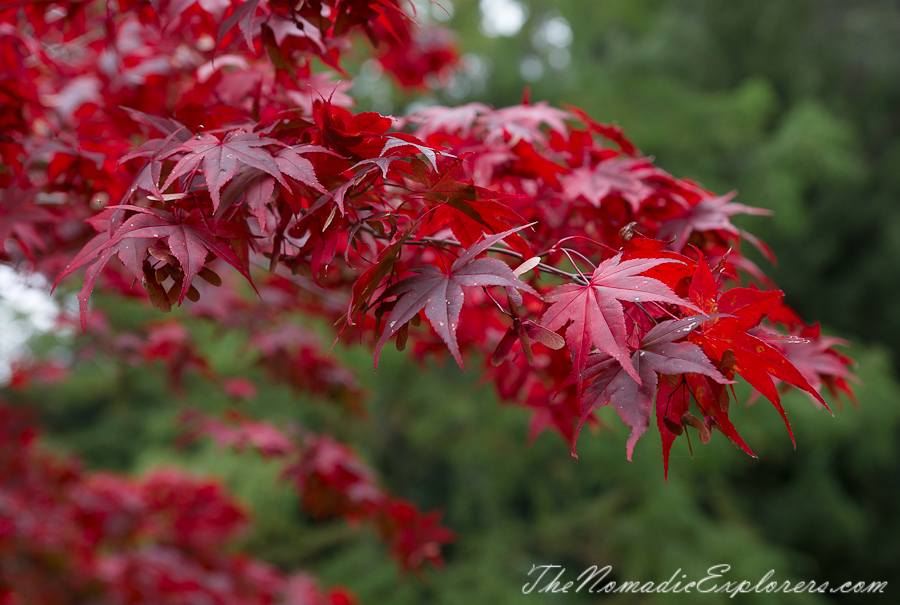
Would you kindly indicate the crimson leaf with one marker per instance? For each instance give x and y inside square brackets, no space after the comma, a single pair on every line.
[189,241]
[221,159]
[658,353]
[596,315]
[755,360]
[441,295]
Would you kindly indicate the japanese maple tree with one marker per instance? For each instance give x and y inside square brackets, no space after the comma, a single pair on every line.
[176,151]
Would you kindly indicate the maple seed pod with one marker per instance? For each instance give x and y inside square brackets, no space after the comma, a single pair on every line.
[726,366]
[527,266]
[157,293]
[402,335]
[688,419]
[416,320]
[162,273]
[175,290]
[379,313]
[210,276]
[161,254]
[705,435]
[504,346]
[627,232]
[302,269]
[672,381]
[193,294]
[673,426]
[724,401]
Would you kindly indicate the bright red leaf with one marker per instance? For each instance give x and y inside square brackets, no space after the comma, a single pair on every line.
[594,313]
[755,360]
[189,241]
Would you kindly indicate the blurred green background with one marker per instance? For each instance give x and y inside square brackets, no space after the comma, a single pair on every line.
[795,103]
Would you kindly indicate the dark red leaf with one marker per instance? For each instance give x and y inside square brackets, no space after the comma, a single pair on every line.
[189,241]
[659,353]
[220,160]
[441,295]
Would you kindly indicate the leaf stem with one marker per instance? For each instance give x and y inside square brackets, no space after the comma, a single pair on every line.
[543,266]
[436,241]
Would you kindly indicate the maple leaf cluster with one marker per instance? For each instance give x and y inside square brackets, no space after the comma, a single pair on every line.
[286,353]
[71,536]
[332,481]
[196,153]
[595,277]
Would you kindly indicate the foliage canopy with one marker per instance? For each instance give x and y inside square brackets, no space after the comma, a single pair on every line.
[198,147]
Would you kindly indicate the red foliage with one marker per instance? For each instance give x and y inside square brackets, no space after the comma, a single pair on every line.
[431,52]
[68,536]
[333,482]
[257,175]
[196,142]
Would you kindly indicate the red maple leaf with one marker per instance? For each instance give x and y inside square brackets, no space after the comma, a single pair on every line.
[371,279]
[243,16]
[240,432]
[415,537]
[189,240]
[710,214]
[622,176]
[815,359]
[440,293]
[257,187]
[156,150]
[450,120]
[659,353]
[594,315]
[221,159]
[468,220]
[523,122]
[608,131]
[20,217]
[755,360]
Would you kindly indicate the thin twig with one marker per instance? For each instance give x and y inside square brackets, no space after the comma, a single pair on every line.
[430,241]
[427,241]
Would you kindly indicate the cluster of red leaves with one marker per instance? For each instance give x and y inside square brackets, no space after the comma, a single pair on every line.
[78,75]
[68,536]
[285,352]
[621,272]
[649,303]
[332,482]
[430,55]
[168,146]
